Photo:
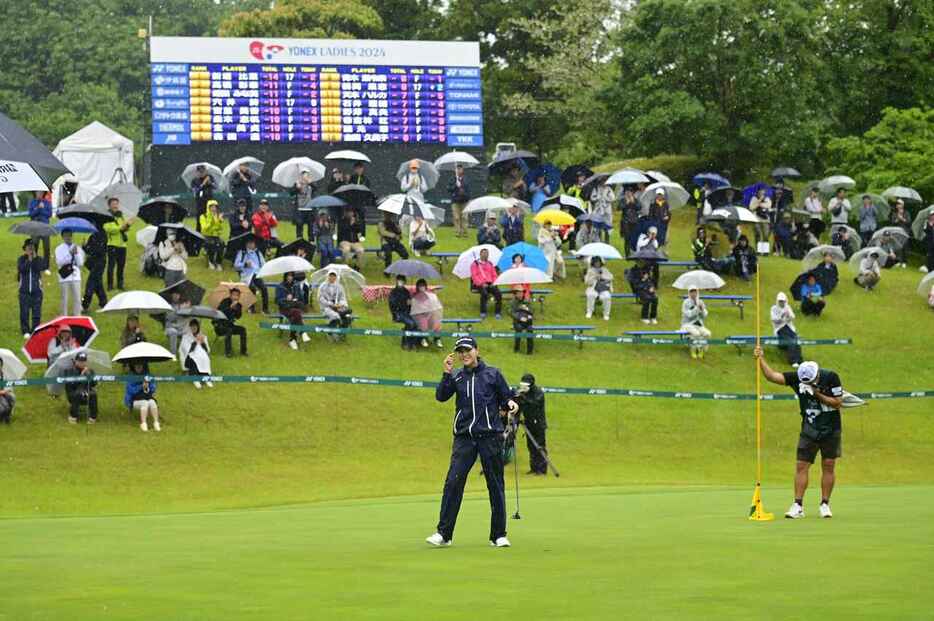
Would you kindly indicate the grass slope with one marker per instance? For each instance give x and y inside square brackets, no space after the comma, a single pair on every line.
[251,445]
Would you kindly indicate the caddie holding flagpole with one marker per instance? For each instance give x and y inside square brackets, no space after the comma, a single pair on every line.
[481,392]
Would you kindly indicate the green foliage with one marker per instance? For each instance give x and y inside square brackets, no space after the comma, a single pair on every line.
[899,150]
[679,167]
[311,19]
[409,19]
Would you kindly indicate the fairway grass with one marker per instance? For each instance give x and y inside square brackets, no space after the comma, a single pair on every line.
[589,553]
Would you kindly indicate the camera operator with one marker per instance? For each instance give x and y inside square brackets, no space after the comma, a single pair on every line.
[531,400]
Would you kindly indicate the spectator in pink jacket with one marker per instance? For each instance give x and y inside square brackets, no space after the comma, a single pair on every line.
[482,276]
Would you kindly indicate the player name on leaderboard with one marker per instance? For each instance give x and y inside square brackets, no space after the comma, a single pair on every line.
[273,103]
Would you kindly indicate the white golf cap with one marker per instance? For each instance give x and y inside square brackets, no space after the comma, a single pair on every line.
[781,297]
[807,371]
[659,191]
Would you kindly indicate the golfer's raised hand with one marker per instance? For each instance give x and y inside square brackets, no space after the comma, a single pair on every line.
[757,352]
[449,363]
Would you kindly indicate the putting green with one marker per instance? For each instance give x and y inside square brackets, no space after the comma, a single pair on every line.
[597,553]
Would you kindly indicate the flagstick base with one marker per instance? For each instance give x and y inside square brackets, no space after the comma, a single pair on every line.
[757,512]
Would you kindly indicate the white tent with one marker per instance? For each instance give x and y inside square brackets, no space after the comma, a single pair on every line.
[93,154]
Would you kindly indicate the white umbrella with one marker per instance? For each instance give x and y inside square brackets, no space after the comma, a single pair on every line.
[466,259]
[627,176]
[599,249]
[136,301]
[522,276]
[344,275]
[487,203]
[144,352]
[288,173]
[348,155]
[736,213]
[13,367]
[255,166]
[426,169]
[675,193]
[98,361]
[898,191]
[523,206]
[924,289]
[284,265]
[403,203]
[700,279]
[191,171]
[449,161]
[146,236]
[815,256]
[858,256]
[129,195]
[829,185]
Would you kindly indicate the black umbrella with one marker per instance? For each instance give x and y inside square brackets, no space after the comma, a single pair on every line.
[33,229]
[594,180]
[96,214]
[355,194]
[238,243]
[784,171]
[192,240]
[569,174]
[204,312]
[718,198]
[565,202]
[647,253]
[161,209]
[504,161]
[189,291]
[293,246]
[18,145]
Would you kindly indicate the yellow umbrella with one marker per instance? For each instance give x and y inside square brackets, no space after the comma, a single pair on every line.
[555,216]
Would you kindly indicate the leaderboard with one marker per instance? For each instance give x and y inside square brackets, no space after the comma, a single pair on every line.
[301,102]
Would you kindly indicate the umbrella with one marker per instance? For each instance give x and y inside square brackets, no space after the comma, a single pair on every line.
[719,197]
[712,178]
[136,302]
[411,268]
[403,203]
[564,202]
[627,176]
[256,167]
[13,367]
[598,220]
[881,203]
[222,291]
[129,195]
[98,362]
[815,256]
[75,225]
[532,256]
[146,236]
[284,265]
[522,276]
[33,229]
[344,273]
[203,312]
[647,253]
[917,225]
[656,176]
[238,243]
[83,329]
[449,161]
[466,259]
[189,291]
[676,195]
[355,194]
[569,175]
[858,256]
[192,240]
[504,161]
[896,233]
[784,171]
[829,185]
[751,190]
[191,171]
[598,249]
[594,180]
[487,203]
[143,352]
[97,215]
[737,214]
[550,172]
[292,247]
[161,209]
[347,155]
[555,216]
[27,164]
[854,238]
[325,201]
[288,173]
[523,206]
[924,287]
[426,169]
[906,194]
[698,279]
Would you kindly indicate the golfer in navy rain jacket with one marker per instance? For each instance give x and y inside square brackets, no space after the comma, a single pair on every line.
[481,392]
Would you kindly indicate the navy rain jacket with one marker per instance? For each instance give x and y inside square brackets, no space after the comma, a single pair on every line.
[481,393]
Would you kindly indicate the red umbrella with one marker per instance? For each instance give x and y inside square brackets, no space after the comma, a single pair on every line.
[83,329]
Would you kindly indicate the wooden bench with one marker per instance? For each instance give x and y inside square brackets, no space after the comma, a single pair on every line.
[738,301]
[462,321]
[443,257]
[576,330]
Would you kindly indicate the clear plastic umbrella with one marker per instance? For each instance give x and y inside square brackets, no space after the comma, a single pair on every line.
[128,194]
[466,259]
[599,249]
[883,209]
[284,265]
[137,302]
[256,167]
[900,191]
[815,256]
[699,279]
[146,236]
[13,368]
[854,239]
[924,287]
[859,255]
[191,171]
[829,185]
[288,173]
[344,274]
[347,155]
[487,203]
[449,161]
[676,195]
[917,225]
[426,169]
[403,203]
[522,276]
[896,234]
[627,176]
[98,362]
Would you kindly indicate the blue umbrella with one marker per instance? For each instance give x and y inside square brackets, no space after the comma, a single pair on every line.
[411,268]
[75,225]
[552,176]
[713,179]
[598,221]
[531,256]
[750,190]
[325,201]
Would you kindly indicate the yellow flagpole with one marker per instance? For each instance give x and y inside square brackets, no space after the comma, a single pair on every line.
[757,511]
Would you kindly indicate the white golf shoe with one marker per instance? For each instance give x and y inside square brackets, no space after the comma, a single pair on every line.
[825,510]
[796,511]
[437,540]
[305,337]
[502,542]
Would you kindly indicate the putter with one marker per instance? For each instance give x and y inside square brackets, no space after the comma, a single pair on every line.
[541,450]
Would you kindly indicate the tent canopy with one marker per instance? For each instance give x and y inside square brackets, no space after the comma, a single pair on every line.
[93,154]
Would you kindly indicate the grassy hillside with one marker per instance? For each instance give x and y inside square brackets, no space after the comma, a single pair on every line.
[249,445]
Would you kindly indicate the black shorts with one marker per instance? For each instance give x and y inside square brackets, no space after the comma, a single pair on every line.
[830,448]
